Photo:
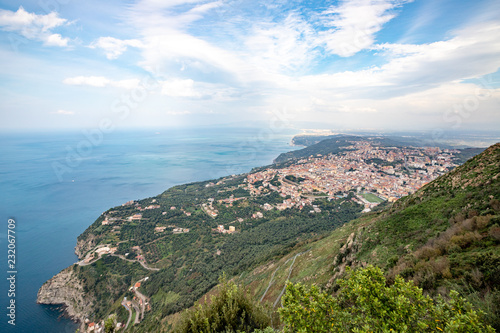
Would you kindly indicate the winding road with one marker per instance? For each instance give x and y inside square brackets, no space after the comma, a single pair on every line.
[142,262]
[124,303]
[140,307]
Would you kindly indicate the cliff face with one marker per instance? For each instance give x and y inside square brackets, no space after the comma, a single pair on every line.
[85,244]
[65,288]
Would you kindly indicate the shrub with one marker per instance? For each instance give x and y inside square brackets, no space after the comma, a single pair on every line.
[453,248]
[482,222]
[494,232]
[427,252]
[466,239]
[364,303]
[495,204]
[392,261]
[231,310]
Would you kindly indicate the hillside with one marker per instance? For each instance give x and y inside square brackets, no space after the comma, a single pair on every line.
[333,144]
[445,236]
[149,259]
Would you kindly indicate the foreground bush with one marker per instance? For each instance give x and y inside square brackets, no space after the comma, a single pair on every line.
[230,310]
[364,303]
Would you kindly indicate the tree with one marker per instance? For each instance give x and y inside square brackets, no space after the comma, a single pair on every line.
[364,303]
[231,310]
[109,325]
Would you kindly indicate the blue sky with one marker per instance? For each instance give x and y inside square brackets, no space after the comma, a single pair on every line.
[353,64]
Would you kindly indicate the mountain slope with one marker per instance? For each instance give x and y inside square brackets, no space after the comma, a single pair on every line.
[172,243]
[334,144]
[446,235]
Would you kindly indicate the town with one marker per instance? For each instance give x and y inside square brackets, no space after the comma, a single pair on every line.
[376,174]
[362,172]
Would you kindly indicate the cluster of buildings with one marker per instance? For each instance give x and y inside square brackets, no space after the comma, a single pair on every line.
[221,229]
[138,207]
[98,253]
[388,172]
[209,208]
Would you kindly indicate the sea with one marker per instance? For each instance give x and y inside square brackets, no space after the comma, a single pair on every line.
[53,185]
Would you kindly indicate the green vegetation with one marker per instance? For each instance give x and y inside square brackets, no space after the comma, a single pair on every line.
[444,237]
[364,303]
[107,281]
[230,310]
[325,147]
[294,179]
[191,262]
[372,197]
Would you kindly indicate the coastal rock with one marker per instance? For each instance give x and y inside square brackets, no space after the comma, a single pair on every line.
[66,288]
[84,245]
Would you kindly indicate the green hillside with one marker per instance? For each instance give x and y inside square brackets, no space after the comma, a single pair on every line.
[445,236]
[333,144]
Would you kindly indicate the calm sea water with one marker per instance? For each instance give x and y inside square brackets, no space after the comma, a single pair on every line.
[51,211]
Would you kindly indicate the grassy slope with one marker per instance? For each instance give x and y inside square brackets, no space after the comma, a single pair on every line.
[441,236]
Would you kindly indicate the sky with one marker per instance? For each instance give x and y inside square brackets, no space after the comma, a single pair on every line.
[350,64]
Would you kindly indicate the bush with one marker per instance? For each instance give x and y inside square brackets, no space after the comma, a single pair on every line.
[494,232]
[230,310]
[364,303]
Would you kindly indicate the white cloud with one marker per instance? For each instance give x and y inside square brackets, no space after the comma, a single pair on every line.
[56,40]
[33,26]
[157,4]
[94,81]
[178,113]
[354,24]
[472,52]
[114,47]
[188,88]
[63,112]
[100,82]
[286,45]
[179,88]
[165,48]
[269,64]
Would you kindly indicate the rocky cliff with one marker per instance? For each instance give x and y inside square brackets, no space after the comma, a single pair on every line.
[85,244]
[66,288]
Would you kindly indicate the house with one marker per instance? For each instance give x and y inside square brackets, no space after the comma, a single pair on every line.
[180,230]
[102,250]
[137,285]
[267,206]
[135,217]
[257,215]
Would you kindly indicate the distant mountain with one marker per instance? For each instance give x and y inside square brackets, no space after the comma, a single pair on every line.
[333,144]
[388,140]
